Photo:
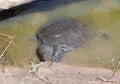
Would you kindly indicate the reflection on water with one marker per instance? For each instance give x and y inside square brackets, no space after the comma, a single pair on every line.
[94,14]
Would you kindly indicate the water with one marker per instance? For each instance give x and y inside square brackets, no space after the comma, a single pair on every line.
[102,16]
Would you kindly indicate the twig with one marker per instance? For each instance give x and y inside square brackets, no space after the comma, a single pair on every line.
[39,77]
[105,80]
[34,68]
[6,35]
[11,41]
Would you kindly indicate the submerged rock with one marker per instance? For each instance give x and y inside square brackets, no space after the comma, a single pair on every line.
[105,35]
[60,36]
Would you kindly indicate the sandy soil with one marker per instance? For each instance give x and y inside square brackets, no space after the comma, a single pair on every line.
[59,74]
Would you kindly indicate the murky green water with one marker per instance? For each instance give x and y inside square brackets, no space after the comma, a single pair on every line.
[101,16]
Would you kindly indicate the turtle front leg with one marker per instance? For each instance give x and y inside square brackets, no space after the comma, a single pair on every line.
[57,54]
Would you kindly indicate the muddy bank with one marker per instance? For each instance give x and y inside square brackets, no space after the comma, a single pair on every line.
[59,74]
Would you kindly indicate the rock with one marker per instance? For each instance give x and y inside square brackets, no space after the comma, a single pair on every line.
[6,4]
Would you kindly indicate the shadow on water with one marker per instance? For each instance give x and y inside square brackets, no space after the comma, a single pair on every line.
[35,6]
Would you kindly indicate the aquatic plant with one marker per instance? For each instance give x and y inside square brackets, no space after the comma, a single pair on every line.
[116,65]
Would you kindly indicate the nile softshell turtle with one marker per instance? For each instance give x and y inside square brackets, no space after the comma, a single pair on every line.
[60,36]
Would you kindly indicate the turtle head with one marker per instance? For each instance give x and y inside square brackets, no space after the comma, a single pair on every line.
[44,51]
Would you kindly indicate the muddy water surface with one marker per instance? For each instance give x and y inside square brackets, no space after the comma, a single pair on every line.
[103,16]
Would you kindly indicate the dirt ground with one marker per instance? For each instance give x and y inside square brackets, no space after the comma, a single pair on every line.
[58,74]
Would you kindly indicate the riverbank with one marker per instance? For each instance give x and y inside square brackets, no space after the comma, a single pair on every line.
[59,74]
